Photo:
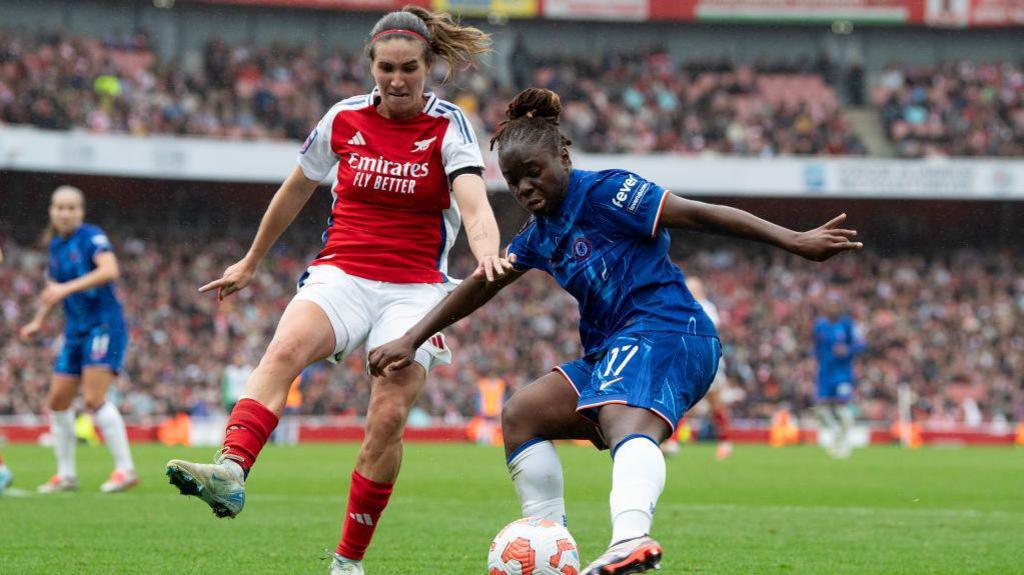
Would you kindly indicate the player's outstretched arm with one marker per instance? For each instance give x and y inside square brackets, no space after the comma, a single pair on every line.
[471,294]
[285,205]
[818,244]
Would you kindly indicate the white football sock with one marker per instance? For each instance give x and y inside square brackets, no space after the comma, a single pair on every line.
[827,421]
[111,424]
[537,475]
[62,429]
[846,421]
[638,476]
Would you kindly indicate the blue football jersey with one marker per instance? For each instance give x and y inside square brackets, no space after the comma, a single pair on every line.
[604,247]
[71,258]
[832,367]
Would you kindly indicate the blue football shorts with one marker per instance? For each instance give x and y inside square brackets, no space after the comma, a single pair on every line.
[664,372]
[103,345]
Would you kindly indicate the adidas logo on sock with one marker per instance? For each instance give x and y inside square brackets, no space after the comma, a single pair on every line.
[362,518]
[357,140]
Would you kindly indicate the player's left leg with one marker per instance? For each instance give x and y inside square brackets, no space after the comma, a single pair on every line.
[96,380]
[640,388]
[379,460]
[638,477]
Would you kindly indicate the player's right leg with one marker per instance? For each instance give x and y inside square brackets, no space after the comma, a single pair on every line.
[535,415]
[304,335]
[63,388]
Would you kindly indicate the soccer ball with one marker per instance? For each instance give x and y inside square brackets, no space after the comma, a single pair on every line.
[533,546]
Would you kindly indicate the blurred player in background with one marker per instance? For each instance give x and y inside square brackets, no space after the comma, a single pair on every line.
[714,400]
[81,274]
[651,351]
[837,341]
[409,165]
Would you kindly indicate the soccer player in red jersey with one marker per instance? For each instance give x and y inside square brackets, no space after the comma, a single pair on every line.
[408,164]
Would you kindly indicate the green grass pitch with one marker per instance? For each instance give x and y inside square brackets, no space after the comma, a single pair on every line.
[885,511]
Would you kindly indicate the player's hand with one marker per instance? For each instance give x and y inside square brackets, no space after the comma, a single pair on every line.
[492,268]
[840,350]
[391,356]
[235,278]
[823,242]
[53,294]
[29,330]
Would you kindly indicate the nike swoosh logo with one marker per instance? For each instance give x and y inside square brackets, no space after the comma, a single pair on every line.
[609,382]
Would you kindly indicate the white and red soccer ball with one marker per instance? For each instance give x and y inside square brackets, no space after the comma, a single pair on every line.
[533,546]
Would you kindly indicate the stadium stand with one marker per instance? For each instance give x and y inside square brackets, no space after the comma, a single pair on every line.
[616,103]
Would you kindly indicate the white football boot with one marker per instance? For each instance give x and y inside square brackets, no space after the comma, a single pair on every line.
[630,556]
[220,484]
[58,484]
[120,481]
[343,566]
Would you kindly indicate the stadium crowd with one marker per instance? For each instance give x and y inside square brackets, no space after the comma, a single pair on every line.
[618,102]
[951,326]
[954,109]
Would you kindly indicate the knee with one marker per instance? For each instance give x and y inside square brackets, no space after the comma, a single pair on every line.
[385,422]
[58,403]
[94,403]
[285,352]
[515,424]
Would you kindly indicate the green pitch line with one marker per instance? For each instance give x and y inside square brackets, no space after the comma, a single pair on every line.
[956,511]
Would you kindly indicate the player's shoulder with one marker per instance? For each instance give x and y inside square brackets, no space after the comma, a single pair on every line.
[443,109]
[353,104]
[610,181]
[90,230]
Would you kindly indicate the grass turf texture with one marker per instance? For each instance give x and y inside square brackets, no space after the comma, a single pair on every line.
[792,510]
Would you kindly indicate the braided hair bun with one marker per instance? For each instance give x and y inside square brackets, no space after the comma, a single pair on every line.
[532,116]
[535,103]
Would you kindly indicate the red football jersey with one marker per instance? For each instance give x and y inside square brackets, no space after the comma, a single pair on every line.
[393,217]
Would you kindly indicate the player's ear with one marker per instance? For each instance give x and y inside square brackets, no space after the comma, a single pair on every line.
[564,156]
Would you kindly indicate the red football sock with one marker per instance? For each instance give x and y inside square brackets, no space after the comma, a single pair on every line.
[249,427]
[366,502]
[721,417]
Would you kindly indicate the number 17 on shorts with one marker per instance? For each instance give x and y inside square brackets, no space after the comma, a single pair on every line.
[664,372]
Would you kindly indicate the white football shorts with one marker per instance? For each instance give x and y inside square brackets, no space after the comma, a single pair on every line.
[371,312]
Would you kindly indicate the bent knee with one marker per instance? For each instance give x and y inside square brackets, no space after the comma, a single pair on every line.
[286,351]
[517,426]
[386,421]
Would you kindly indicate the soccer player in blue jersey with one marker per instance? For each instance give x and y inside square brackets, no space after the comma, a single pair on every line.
[650,350]
[837,341]
[81,274]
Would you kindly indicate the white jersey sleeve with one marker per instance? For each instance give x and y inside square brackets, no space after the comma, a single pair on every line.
[460,148]
[316,157]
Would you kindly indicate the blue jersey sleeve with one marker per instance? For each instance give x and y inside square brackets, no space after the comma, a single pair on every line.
[524,249]
[96,242]
[628,204]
